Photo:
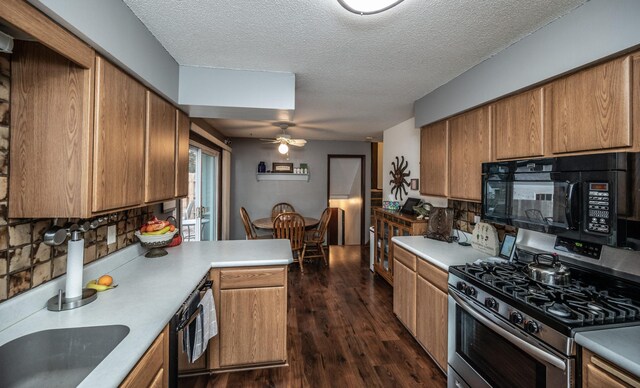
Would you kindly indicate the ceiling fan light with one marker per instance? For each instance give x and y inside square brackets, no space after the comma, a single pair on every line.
[283,148]
[368,7]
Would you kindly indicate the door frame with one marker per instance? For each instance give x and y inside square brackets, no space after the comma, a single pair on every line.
[363,194]
[218,200]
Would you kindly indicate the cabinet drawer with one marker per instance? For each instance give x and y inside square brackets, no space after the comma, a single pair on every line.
[433,274]
[149,367]
[252,277]
[405,257]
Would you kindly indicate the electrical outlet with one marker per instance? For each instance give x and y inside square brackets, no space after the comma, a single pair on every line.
[111,234]
[476,219]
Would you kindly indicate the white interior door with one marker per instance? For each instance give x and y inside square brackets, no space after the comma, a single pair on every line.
[200,208]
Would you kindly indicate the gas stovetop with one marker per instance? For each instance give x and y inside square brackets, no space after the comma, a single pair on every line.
[581,303]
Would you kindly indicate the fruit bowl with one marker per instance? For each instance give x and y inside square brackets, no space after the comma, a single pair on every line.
[155,243]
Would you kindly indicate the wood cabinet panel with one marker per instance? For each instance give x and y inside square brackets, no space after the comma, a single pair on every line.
[519,125]
[51,134]
[404,295]
[434,159]
[253,326]
[405,257]
[597,373]
[152,369]
[252,277]
[470,146]
[433,275]
[119,126]
[431,317]
[182,154]
[160,149]
[591,109]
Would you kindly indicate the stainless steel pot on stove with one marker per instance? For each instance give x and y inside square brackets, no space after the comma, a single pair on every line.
[552,273]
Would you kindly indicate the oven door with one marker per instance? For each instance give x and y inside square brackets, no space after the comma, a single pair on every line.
[486,351]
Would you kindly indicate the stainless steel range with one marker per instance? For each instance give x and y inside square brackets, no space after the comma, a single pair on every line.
[506,330]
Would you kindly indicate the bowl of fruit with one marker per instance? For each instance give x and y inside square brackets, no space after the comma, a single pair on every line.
[156,235]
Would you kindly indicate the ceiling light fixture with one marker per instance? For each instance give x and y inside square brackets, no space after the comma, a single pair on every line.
[283,148]
[368,7]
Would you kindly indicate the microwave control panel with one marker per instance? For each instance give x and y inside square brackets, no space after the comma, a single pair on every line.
[598,216]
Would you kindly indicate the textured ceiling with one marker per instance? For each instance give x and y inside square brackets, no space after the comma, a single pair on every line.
[355,75]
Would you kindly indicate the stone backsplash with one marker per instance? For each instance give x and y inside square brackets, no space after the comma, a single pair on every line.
[25,261]
[463,218]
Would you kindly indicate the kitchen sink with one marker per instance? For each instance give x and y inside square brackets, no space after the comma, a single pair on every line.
[57,357]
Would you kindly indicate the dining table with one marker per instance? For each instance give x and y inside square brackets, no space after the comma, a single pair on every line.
[267,223]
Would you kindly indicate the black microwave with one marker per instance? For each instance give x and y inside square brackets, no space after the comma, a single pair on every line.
[588,198]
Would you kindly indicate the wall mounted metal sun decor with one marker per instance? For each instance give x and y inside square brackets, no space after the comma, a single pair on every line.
[399,175]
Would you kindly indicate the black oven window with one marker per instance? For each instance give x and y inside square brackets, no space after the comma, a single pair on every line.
[499,362]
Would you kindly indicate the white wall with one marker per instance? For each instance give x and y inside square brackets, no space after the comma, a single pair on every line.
[308,198]
[595,30]
[404,140]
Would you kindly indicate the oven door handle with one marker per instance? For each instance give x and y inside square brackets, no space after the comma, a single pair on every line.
[523,345]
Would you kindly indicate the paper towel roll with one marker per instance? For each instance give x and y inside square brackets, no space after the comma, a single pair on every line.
[74,269]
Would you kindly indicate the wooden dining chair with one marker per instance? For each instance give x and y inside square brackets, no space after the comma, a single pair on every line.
[291,226]
[249,229]
[314,238]
[280,208]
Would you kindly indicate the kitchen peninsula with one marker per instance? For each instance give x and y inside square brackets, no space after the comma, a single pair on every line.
[150,291]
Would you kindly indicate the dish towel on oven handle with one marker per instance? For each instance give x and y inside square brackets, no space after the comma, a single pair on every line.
[206,325]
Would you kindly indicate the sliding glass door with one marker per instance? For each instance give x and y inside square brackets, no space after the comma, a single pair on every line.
[200,208]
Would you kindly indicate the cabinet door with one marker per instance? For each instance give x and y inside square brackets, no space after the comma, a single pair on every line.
[182,155]
[519,125]
[151,369]
[597,373]
[404,295]
[161,149]
[591,109]
[470,146]
[434,159]
[51,135]
[431,317]
[119,118]
[253,326]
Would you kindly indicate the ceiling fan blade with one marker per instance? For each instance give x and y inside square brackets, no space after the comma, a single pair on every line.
[297,142]
[271,140]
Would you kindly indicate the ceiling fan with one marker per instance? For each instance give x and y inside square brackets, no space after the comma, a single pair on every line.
[284,139]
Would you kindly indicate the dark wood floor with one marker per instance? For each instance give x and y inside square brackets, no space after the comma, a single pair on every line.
[342,333]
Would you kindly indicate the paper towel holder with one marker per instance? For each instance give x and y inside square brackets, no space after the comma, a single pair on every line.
[57,235]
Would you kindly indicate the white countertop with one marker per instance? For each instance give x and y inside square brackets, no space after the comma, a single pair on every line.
[148,294]
[620,346]
[439,253]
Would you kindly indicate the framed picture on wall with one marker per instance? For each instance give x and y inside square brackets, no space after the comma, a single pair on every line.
[282,167]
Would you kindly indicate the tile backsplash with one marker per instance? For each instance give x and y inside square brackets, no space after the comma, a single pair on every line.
[463,218]
[25,261]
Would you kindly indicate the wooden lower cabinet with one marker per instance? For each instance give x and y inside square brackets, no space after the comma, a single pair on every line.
[431,317]
[598,373]
[404,295]
[420,302]
[251,304]
[153,368]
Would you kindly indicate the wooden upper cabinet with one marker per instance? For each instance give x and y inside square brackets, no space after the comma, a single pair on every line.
[470,146]
[519,125]
[51,134]
[434,159]
[160,150]
[591,109]
[182,154]
[119,125]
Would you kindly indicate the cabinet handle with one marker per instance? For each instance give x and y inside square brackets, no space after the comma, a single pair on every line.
[614,372]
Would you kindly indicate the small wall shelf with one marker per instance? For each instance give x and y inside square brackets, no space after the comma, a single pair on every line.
[268,176]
